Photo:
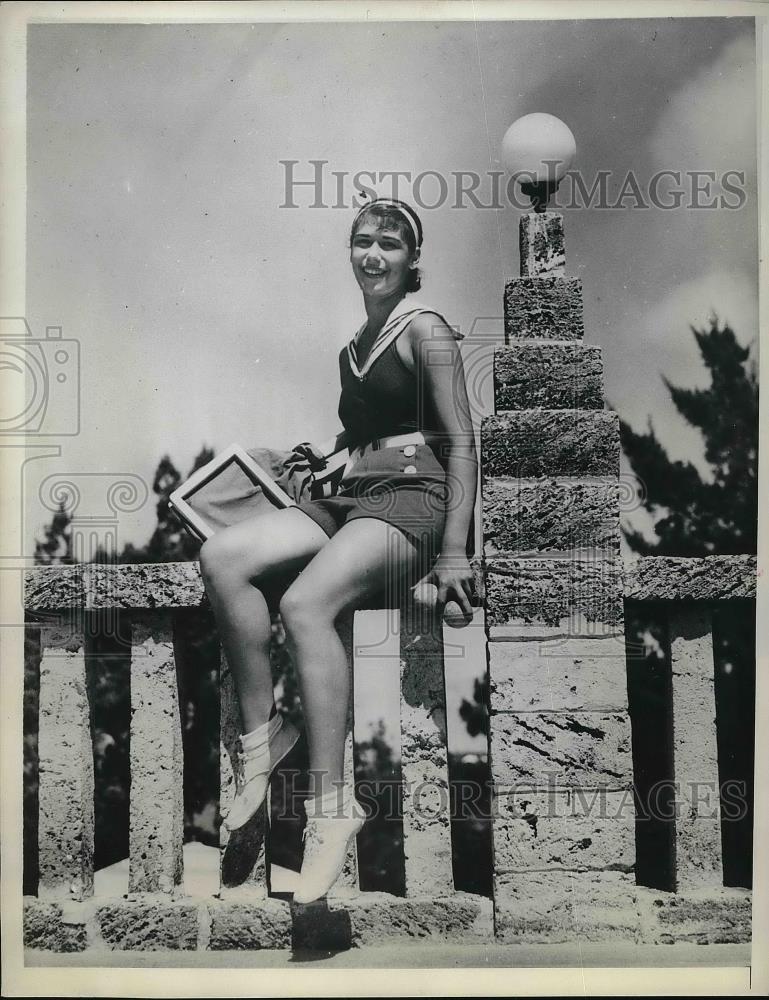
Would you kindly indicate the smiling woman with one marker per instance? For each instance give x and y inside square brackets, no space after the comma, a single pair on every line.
[401,517]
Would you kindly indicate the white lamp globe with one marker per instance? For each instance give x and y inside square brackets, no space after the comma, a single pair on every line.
[540,146]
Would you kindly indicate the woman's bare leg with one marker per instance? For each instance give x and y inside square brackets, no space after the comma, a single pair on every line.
[232,561]
[361,559]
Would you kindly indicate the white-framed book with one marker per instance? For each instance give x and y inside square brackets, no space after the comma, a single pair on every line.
[235,460]
[248,485]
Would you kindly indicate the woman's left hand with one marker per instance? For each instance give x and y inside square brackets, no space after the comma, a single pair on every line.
[453,577]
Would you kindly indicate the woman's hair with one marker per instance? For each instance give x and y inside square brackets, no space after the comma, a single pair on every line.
[388,216]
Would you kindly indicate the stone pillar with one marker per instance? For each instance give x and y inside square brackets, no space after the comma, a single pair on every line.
[242,852]
[563,820]
[157,769]
[695,752]
[424,760]
[65,832]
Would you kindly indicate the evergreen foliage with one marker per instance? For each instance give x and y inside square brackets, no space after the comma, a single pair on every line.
[695,516]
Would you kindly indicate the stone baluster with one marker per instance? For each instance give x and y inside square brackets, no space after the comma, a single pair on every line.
[561,763]
[157,771]
[698,857]
[424,759]
[66,816]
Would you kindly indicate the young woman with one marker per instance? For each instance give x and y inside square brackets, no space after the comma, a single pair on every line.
[403,513]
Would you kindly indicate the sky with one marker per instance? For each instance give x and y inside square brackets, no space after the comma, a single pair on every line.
[206,313]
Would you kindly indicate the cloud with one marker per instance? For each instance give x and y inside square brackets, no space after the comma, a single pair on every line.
[710,122]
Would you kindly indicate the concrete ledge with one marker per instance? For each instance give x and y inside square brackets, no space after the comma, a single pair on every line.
[91,587]
[674,578]
[707,916]
[344,920]
[532,443]
[547,307]
[530,376]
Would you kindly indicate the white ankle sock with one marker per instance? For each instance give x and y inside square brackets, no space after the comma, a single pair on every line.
[259,738]
[340,801]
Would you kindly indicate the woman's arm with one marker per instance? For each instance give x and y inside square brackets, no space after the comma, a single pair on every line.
[439,369]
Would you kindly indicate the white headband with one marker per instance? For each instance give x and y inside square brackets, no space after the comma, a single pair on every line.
[399,206]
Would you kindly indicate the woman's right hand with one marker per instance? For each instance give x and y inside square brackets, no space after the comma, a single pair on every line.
[315,457]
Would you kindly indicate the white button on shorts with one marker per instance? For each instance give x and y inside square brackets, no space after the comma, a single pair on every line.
[410,468]
[409,450]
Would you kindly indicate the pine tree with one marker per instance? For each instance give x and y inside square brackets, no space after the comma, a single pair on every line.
[56,548]
[695,517]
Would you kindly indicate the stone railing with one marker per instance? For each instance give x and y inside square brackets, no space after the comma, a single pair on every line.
[157,912]
[565,760]
[688,599]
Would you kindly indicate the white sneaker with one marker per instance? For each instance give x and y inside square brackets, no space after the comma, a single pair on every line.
[326,843]
[254,768]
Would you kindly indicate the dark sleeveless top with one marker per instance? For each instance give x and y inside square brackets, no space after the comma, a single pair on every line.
[386,400]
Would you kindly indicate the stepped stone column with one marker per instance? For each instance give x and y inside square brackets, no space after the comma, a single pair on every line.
[563,819]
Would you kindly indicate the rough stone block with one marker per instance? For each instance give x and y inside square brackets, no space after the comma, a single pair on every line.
[550,515]
[542,244]
[554,592]
[561,749]
[674,578]
[558,674]
[66,810]
[376,917]
[148,925]
[536,830]
[45,928]
[263,923]
[554,907]
[534,376]
[605,906]
[529,443]
[707,916]
[547,307]
[145,585]
[531,907]
[54,588]
[157,768]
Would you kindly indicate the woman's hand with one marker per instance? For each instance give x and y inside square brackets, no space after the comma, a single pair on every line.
[315,457]
[452,579]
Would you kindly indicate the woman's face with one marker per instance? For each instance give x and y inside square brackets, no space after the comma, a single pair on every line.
[380,259]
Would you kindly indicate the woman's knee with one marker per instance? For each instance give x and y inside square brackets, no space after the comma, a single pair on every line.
[221,558]
[301,606]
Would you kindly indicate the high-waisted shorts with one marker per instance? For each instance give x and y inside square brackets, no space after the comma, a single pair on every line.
[404,486]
